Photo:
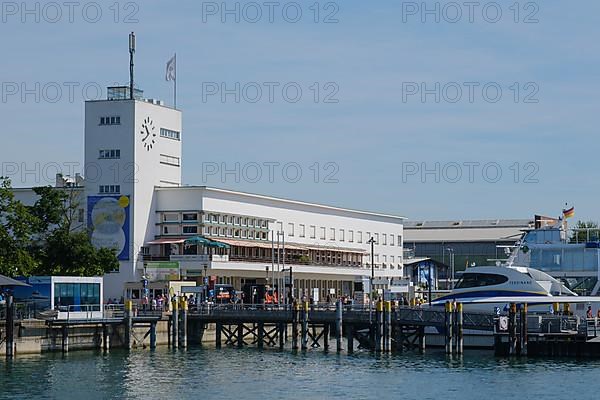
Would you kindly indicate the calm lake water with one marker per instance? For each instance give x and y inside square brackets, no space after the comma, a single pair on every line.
[253,374]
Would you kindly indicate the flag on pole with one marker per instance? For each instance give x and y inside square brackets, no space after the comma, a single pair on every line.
[171,74]
[569,213]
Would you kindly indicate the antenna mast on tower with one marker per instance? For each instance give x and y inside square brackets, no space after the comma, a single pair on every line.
[131,53]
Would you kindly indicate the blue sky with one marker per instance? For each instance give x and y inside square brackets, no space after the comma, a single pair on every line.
[371,135]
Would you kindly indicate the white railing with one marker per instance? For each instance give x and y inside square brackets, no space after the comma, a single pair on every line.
[191,257]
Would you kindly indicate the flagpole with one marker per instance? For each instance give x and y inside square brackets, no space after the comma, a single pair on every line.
[175,84]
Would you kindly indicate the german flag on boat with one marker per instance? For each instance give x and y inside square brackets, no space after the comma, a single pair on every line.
[568,213]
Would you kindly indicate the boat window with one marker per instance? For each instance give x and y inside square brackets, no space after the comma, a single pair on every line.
[470,280]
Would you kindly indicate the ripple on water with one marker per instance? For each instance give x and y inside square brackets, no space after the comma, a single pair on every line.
[250,373]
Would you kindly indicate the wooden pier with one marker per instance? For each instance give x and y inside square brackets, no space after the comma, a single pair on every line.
[304,327]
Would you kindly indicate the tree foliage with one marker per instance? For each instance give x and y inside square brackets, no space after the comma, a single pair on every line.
[584,232]
[47,238]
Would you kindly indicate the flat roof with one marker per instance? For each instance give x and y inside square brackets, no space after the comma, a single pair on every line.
[475,223]
[282,200]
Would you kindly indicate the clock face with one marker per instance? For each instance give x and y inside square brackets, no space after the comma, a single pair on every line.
[148,133]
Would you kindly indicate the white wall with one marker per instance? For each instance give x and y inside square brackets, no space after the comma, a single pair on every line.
[138,170]
[284,211]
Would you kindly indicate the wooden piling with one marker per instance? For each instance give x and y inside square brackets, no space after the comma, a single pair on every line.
[378,326]
[350,338]
[295,317]
[512,329]
[152,335]
[106,337]
[339,309]
[65,338]
[129,323]
[524,338]
[449,323]
[218,331]
[326,337]
[183,322]
[282,334]
[240,335]
[387,332]
[459,329]
[175,323]
[260,334]
[10,326]
[422,343]
[304,329]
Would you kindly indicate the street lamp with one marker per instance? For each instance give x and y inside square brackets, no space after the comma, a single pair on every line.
[451,253]
[372,242]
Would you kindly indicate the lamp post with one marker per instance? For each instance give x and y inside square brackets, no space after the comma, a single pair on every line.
[451,253]
[372,242]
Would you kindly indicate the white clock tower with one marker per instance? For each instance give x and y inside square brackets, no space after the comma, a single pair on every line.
[132,144]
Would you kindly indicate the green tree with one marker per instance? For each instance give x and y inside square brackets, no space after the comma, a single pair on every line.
[16,228]
[585,231]
[72,254]
[65,247]
[48,238]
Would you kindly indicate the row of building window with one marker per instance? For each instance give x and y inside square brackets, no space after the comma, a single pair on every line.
[170,160]
[109,154]
[109,189]
[341,235]
[110,120]
[215,231]
[221,219]
[169,134]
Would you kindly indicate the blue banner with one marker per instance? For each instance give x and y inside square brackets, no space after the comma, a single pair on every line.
[108,222]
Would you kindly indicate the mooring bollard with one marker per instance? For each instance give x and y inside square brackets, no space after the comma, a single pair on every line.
[175,323]
[459,332]
[339,322]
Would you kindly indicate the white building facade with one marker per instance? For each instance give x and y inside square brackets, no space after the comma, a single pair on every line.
[134,202]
